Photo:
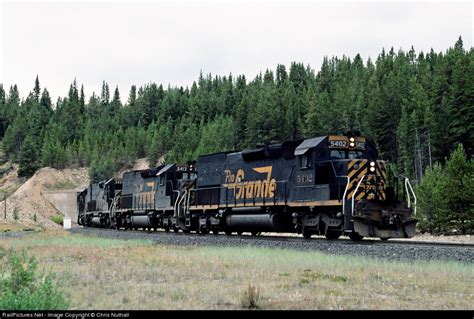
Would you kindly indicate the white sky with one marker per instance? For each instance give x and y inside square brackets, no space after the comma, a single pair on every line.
[125,42]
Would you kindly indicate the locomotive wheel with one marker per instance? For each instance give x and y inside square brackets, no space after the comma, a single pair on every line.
[254,233]
[175,229]
[228,232]
[215,232]
[306,233]
[384,239]
[239,233]
[167,228]
[355,236]
[186,231]
[204,231]
[332,234]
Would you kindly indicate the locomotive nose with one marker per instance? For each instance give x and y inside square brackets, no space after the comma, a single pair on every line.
[366,179]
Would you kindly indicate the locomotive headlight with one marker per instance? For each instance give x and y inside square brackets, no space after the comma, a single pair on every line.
[352,142]
[372,167]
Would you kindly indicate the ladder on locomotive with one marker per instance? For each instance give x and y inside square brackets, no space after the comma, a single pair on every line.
[181,208]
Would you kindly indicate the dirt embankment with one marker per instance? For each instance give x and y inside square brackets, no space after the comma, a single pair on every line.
[9,180]
[141,163]
[28,207]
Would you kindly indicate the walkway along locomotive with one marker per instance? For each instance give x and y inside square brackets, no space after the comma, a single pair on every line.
[328,185]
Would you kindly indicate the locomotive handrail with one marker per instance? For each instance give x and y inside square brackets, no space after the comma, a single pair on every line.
[177,199]
[186,203]
[407,184]
[345,190]
[344,196]
[408,190]
[180,200]
[355,192]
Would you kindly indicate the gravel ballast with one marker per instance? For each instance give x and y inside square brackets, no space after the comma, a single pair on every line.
[367,248]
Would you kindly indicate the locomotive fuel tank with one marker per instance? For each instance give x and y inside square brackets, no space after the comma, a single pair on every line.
[97,222]
[141,221]
[255,219]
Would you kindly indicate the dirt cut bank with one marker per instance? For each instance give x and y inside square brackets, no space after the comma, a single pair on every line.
[29,207]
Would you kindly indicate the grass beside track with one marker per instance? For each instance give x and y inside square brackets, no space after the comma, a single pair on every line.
[137,274]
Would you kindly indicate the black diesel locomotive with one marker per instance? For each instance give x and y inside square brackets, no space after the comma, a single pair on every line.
[328,185]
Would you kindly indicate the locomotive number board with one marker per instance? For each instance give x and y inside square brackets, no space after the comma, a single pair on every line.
[344,142]
[181,168]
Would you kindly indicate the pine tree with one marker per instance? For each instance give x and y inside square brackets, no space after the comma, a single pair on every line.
[2,96]
[459,192]
[82,100]
[105,94]
[45,101]
[116,104]
[3,117]
[28,157]
[132,96]
[431,204]
[37,90]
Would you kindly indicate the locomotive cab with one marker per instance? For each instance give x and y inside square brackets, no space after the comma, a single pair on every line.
[356,195]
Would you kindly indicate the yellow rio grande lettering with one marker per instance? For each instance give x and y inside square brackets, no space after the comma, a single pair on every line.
[251,189]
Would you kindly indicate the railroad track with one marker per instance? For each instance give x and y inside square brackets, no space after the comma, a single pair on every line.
[391,249]
[366,241]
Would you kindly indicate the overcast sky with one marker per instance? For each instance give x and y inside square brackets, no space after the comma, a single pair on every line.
[125,43]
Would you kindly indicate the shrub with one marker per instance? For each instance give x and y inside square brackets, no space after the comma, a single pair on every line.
[15,213]
[446,196]
[22,288]
[58,219]
[251,298]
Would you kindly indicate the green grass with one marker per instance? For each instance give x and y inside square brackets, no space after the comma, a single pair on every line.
[60,238]
[58,219]
[67,184]
[116,274]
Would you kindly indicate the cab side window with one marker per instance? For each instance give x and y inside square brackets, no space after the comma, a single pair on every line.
[305,161]
[162,179]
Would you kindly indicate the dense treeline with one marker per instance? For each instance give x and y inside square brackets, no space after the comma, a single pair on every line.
[416,107]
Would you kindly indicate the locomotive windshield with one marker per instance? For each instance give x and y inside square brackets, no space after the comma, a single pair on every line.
[342,154]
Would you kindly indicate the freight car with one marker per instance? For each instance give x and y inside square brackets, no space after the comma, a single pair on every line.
[330,185]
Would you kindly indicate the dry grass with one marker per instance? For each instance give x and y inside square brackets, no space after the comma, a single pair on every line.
[9,227]
[115,274]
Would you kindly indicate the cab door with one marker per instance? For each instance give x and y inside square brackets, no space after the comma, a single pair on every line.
[304,178]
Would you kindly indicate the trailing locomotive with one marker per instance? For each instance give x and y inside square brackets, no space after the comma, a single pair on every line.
[329,185]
